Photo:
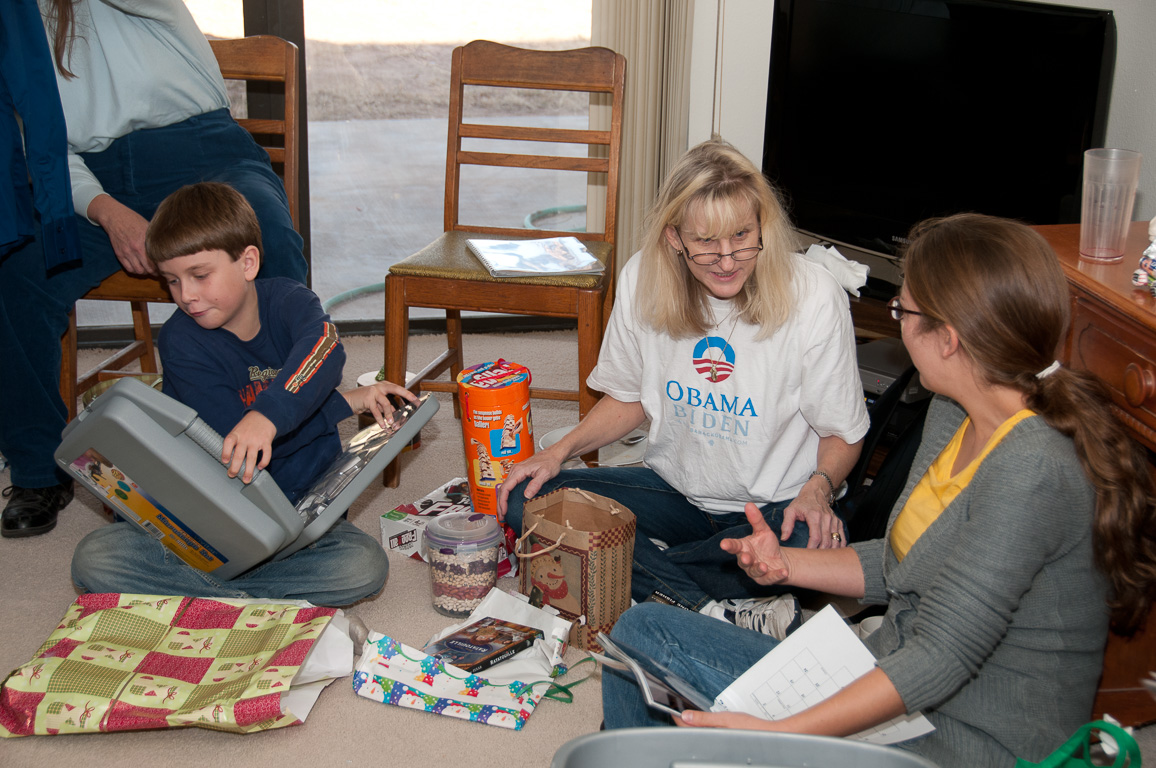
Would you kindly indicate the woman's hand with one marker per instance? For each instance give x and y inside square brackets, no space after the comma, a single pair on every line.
[759,554]
[825,529]
[374,398]
[126,231]
[692,718]
[606,422]
[538,469]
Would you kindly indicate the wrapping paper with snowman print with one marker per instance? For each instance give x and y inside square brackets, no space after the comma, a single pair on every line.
[120,662]
[391,672]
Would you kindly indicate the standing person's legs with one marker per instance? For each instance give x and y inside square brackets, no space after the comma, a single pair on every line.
[706,653]
[34,307]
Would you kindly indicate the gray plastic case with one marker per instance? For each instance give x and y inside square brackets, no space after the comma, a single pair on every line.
[157,463]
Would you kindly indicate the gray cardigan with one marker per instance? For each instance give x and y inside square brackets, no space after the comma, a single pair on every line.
[997,616]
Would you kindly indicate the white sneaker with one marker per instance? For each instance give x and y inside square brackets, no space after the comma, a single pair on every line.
[775,616]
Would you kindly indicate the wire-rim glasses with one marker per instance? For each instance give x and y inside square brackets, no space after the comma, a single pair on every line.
[710,259]
[898,311]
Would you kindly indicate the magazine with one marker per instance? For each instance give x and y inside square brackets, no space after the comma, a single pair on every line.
[482,644]
[547,256]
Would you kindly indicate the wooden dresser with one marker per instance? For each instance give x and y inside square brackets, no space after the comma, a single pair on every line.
[1113,334]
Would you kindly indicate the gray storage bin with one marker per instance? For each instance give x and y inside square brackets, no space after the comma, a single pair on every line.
[721,748]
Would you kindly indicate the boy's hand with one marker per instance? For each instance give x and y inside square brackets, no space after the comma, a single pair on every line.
[250,439]
[375,399]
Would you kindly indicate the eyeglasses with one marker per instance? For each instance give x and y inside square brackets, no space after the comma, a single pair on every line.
[710,259]
[897,310]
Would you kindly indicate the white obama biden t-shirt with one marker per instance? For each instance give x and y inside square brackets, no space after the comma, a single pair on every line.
[733,419]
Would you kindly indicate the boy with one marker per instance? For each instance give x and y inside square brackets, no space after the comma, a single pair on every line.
[259,361]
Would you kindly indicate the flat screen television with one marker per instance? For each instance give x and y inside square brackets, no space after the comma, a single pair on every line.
[881,113]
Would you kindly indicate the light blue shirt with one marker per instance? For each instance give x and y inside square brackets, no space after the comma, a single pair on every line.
[138,64]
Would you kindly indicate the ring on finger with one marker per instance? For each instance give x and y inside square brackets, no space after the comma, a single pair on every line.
[836,537]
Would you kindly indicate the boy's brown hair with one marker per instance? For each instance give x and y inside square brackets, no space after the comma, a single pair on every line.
[208,216]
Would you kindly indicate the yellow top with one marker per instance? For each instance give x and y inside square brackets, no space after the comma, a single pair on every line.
[937,488]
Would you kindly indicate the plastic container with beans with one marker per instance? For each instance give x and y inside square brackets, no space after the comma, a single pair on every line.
[462,551]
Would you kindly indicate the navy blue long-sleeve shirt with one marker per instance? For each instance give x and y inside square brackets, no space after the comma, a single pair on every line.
[289,373]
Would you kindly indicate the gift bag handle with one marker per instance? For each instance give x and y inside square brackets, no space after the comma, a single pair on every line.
[530,555]
[1075,751]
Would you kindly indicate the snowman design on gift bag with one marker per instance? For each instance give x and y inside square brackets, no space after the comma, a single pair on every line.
[548,582]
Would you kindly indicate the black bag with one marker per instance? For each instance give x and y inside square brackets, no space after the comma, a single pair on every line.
[866,506]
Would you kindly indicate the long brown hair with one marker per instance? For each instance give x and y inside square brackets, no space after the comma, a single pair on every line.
[61,22]
[1000,286]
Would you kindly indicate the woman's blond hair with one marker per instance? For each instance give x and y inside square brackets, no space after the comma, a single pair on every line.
[717,187]
[1000,286]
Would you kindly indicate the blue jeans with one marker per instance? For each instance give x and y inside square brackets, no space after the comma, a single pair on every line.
[694,569]
[340,568]
[139,170]
[708,653]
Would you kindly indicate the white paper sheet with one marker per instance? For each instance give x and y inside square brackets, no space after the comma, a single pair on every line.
[816,660]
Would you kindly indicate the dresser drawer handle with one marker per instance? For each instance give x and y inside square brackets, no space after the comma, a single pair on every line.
[1139,384]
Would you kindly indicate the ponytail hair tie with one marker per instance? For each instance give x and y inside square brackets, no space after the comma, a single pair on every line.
[1055,366]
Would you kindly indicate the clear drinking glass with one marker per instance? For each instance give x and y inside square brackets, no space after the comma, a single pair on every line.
[1110,180]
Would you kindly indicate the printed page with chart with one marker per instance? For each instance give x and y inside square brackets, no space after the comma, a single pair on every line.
[816,660]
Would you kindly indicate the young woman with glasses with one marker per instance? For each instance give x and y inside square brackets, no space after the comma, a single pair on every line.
[1025,527]
[742,357]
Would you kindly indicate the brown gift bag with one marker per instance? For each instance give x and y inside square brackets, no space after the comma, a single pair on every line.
[577,549]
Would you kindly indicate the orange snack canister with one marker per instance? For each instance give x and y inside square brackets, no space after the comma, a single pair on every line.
[496,426]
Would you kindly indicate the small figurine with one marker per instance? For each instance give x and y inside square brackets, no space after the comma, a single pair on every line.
[1145,276]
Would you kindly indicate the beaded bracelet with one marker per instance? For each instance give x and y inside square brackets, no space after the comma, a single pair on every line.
[831,485]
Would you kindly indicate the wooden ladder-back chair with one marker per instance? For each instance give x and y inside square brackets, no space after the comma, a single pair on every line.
[445,275]
[261,58]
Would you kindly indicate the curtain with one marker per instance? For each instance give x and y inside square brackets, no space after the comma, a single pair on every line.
[655,38]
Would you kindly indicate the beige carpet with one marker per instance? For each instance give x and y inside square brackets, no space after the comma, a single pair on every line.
[343,729]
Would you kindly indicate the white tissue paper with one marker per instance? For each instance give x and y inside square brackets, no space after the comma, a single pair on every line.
[851,274]
[330,657]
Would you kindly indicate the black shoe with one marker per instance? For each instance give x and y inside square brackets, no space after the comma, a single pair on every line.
[32,511]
